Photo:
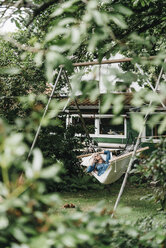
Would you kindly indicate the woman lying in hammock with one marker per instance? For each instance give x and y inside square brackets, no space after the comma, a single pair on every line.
[99,164]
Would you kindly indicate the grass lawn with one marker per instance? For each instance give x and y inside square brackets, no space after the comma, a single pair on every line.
[130,206]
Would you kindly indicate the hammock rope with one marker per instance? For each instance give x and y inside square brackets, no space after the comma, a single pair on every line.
[115,167]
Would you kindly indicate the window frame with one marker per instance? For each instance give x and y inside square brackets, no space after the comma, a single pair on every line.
[97,118]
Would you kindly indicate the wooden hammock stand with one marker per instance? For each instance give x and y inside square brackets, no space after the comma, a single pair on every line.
[113,61]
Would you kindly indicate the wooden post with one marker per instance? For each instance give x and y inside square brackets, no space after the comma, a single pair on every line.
[45,111]
[111,61]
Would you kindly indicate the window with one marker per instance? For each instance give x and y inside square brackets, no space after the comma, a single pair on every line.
[107,128]
[89,123]
[99,125]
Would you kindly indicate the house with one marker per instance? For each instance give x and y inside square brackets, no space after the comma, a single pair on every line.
[99,124]
[101,129]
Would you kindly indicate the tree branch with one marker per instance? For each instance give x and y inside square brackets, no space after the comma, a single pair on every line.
[144,28]
[41,8]
[21,46]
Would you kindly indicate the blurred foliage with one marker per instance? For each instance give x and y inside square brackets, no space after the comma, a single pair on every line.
[60,33]
[61,143]
[153,169]
[64,32]
[18,77]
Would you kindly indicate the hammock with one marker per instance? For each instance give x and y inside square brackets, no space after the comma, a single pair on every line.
[116,168]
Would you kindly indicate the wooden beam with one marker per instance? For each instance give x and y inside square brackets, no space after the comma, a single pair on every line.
[113,159]
[128,154]
[89,154]
[112,61]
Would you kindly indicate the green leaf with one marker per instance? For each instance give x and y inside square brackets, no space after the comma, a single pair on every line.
[135,37]
[40,241]
[69,240]
[92,4]
[4,192]
[20,246]
[117,120]
[160,237]
[28,171]
[39,58]
[118,104]
[55,32]
[19,234]
[53,60]
[142,3]
[154,120]
[12,70]
[106,102]
[98,18]
[63,7]
[132,232]
[148,236]
[135,3]
[37,160]
[83,235]
[162,127]
[17,24]
[118,20]
[50,172]
[137,122]
[3,222]
[152,96]
[51,200]
[124,10]
[75,35]
[66,21]
[93,42]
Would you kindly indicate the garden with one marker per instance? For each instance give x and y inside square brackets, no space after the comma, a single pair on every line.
[47,199]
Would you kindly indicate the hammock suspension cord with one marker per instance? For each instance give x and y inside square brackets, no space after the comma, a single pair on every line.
[115,166]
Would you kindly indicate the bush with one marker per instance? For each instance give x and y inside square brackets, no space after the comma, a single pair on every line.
[28,213]
[153,168]
[59,143]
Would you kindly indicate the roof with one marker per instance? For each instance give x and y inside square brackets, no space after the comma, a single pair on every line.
[87,102]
